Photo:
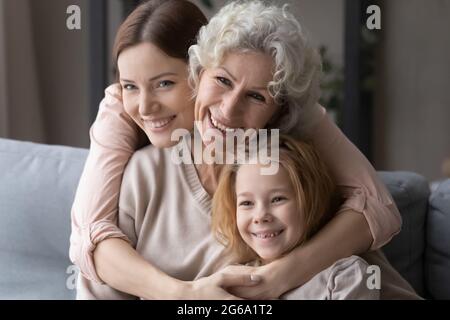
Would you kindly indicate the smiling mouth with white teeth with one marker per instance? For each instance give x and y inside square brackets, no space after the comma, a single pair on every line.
[160,123]
[220,126]
[267,235]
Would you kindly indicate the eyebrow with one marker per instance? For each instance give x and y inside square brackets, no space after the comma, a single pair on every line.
[275,190]
[164,74]
[284,190]
[234,79]
[244,194]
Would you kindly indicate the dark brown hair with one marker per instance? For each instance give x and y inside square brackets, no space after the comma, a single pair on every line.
[171,25]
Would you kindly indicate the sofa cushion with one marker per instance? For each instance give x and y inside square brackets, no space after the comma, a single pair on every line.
[37,187]
[410,192]
[437,267]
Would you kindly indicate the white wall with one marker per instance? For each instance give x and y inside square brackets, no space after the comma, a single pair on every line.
[412,122]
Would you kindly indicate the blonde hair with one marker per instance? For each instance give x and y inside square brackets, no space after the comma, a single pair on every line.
[312,184]
[245,26]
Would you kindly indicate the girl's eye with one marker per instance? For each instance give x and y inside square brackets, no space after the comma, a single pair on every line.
[278,199]
[224,81]
[245,203]
[258,97]
[165,83]
[128,87]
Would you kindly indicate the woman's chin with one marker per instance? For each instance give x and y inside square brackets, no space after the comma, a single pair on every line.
[161,141]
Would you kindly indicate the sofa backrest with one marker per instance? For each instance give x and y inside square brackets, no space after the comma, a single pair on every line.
[37,187]
[437,262]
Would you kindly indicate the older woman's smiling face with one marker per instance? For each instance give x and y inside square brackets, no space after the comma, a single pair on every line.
[235,94]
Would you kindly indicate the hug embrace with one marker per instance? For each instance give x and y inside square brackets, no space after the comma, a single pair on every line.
[144,226]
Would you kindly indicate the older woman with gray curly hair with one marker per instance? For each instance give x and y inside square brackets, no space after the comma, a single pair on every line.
[251,68]
[254,27]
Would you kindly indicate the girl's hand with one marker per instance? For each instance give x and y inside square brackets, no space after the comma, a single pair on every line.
[215,287]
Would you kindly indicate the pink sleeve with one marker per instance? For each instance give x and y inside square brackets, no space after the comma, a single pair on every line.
[114,138]
[356,180]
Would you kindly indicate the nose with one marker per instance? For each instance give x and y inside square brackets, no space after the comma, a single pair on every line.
[147,104]
[262,216]
[231,104]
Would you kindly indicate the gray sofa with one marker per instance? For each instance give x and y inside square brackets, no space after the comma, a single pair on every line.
[37,187]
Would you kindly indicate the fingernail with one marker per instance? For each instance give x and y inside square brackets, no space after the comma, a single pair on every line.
[255,278]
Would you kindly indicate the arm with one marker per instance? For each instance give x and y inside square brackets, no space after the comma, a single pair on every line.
[357,181]
[348,229]
[114,137]
[124,269]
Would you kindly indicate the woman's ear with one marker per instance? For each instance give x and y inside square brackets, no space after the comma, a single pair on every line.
[200,74]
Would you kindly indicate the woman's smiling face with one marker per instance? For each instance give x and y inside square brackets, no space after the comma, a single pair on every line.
[235,94]
[155,92]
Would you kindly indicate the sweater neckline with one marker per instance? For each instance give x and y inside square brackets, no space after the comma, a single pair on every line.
[193,180]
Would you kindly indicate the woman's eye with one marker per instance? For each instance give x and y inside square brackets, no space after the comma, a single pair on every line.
[278,199]
[128,87]
[165,83]
[258,97]
[245,203]
[224,81]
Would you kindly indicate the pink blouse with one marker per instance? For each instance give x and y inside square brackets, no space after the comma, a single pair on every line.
[114,138]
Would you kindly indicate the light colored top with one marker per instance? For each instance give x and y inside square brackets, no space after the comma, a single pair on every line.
[346,279]
[114,138]
[166,215]
[354,278]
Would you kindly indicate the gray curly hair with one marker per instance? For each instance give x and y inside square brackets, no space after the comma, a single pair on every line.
[243,26]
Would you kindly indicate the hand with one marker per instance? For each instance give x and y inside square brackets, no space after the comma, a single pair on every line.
[270,284]
[215,286]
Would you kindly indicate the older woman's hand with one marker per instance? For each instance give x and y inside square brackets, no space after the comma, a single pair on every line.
[270,284]
[215,287]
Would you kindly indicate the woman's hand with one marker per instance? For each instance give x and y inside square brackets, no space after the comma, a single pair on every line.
[215,287]
[270,284]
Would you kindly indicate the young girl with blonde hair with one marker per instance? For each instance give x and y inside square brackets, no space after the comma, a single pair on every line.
[260,218]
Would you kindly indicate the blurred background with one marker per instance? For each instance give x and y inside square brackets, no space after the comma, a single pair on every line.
[388,89]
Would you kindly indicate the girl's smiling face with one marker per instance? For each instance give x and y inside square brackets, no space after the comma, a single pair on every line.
[268,216]
[155,92]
